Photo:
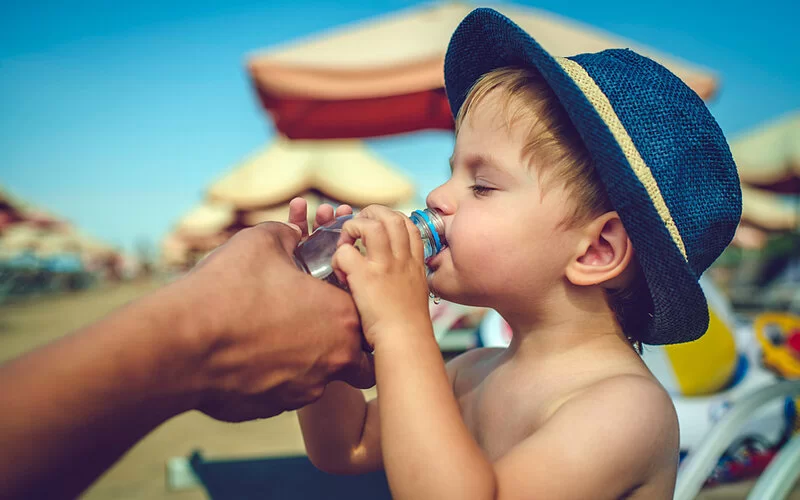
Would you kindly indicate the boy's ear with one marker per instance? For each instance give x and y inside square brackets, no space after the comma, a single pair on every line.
[603,254]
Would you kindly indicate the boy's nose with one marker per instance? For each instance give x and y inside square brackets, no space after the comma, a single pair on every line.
[439,199]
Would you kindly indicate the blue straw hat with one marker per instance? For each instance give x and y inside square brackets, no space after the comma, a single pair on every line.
[663,159]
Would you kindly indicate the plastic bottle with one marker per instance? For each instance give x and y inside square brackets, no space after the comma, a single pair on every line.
[314,255]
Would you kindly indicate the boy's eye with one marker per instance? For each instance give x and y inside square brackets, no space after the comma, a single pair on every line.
[479,190]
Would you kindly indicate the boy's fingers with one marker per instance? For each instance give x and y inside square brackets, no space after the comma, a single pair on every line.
[346,260]
[415,241]
[298,214]
[392,225]
[399,239]
[372,234]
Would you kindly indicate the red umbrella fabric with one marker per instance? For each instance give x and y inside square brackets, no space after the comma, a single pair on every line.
[384,76]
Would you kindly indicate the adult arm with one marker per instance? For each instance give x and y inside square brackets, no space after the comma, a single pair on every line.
[244,335]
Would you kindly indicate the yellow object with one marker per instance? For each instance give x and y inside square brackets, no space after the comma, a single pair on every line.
[772,331]
[706,365]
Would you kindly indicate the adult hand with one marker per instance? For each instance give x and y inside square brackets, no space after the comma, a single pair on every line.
[273,336]
[245,335]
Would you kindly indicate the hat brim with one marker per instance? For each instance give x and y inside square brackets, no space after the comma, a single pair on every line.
[487,40]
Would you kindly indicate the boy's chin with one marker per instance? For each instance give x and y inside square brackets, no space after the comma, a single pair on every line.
[458,297]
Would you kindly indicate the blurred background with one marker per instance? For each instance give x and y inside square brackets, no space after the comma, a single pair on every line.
[135,138]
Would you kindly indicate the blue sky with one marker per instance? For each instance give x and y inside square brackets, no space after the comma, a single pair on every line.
[117,115]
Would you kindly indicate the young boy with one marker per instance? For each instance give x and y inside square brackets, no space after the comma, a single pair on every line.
[587,196]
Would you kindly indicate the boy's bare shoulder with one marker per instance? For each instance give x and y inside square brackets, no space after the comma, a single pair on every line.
[636,402]
[619,435]
[630,414]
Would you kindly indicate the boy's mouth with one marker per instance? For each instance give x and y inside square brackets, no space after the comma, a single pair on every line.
[433,262]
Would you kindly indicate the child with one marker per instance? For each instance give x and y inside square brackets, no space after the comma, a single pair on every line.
[587,196]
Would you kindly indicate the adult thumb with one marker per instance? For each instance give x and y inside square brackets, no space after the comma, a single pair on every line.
[288,234]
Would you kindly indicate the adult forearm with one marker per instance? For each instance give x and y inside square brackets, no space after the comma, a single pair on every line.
[428,450]
[77,405]
[334,430]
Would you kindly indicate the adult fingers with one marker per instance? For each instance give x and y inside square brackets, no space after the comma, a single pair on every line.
[324,215]
[343,210]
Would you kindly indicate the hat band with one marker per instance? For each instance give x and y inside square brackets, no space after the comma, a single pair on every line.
[603,107]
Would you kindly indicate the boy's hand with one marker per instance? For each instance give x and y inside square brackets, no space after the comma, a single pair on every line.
[298,214]
[389,283]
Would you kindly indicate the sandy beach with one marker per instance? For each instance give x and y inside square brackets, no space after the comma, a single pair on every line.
[141,473]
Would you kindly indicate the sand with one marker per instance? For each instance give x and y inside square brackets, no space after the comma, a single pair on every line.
[140,474]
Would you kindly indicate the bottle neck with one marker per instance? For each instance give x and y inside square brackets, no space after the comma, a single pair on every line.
[431,228]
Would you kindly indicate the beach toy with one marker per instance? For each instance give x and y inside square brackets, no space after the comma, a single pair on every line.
[706,365]
[779,336]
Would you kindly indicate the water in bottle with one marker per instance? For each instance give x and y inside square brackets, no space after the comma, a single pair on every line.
[314,255]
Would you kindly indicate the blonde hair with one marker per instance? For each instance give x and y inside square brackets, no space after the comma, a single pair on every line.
[552,142]
[559,155]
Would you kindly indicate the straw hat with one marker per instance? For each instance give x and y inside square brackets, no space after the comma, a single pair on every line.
[770,155]
[207,219]
[343,170]
[680,203]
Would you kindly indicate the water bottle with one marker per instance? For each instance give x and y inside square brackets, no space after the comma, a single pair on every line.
[314,255]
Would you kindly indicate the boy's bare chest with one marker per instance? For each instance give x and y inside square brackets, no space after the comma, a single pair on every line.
[501,411]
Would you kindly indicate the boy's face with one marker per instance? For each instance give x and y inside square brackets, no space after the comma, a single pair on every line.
[506,246]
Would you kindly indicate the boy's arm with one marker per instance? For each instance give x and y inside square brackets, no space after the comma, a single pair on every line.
[428,450]
[609,438]
[341,431]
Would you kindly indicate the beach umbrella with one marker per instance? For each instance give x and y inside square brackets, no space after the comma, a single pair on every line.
[313,199]
[343,170]
[21,237]
[58,243]
[769,156]
[769,210]
[207,219]
[750,237]
[385,75]
[7,218]
[11,209]
[9,200]
[174,251]
[280,212]
[91,247]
